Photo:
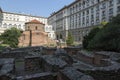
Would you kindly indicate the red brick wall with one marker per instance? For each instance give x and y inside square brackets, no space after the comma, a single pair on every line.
[85,58]
[34,27]
[38,38]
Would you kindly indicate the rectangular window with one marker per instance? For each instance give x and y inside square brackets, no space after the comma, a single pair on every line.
[118,9]
[24,37]
[118,1]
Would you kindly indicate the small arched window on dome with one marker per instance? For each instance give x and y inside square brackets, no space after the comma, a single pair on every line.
[23,36]
[36,27]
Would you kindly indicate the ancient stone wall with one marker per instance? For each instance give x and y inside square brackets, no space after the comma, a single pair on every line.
[72,51]
[32,64]
[104,75]
[85,58]
[18,54]
[49,51]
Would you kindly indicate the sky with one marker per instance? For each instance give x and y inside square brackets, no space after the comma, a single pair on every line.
[34,7]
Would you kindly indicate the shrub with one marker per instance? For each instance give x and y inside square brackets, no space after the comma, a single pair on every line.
[108,38]
[70,39]
[10,37]
[90,36]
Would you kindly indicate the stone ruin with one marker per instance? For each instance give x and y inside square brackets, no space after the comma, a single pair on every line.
[70,73]
[43,63]
[100,65]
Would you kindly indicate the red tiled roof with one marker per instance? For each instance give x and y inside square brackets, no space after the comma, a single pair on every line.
[34,21]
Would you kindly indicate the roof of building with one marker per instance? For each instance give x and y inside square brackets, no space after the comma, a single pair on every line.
[34,21]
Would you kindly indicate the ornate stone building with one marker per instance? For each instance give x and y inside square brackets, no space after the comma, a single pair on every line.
[18,20]
[34,35]
[81,16]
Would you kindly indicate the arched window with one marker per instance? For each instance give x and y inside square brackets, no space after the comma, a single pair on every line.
[19,26]
[23,36]
[47,29]
[36,27]
[15,25]
[5,25]
[10,25]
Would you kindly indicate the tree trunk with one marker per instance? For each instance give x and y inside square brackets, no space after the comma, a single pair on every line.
[30,43]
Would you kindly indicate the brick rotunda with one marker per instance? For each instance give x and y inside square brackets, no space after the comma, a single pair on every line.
[34,35]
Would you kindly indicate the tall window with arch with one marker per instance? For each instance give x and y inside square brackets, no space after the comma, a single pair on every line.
[36,28]
[5,25]
[19,26]
[10,25]
[15,26]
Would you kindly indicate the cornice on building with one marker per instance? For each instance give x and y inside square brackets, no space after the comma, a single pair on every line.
[66,6]
[24,14]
